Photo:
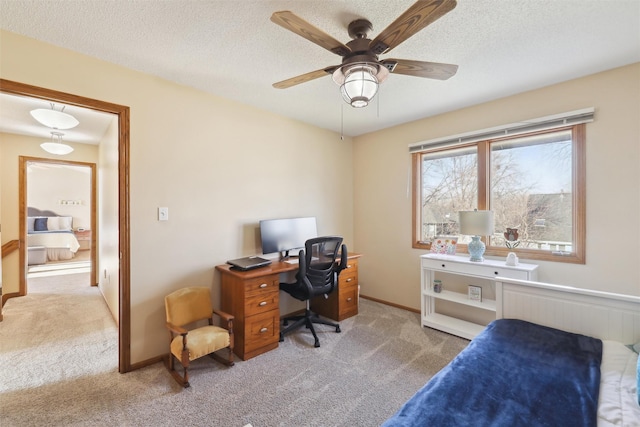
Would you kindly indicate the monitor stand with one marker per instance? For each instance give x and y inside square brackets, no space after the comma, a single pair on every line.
[284,255]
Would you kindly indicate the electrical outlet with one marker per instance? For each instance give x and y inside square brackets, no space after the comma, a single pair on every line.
[163,214]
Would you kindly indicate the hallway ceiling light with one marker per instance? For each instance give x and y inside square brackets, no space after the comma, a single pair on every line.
[54,119]
[56,146]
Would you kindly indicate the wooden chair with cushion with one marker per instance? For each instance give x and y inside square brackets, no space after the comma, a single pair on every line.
[188,307]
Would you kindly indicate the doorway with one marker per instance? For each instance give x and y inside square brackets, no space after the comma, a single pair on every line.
[123,115]
[66,190]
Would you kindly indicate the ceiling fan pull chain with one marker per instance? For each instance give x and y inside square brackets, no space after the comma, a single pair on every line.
[342,122]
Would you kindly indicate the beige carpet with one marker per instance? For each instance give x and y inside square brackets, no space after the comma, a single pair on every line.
[80,263]
[58,367]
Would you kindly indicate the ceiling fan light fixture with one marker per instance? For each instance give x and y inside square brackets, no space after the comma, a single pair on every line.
[359,82]
[54,119]
[55,146]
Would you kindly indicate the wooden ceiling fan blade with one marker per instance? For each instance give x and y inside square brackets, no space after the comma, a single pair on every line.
[294,23]
[303,78]
[429,70]
[414,19]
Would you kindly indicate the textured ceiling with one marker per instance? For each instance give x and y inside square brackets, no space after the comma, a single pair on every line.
[232,49]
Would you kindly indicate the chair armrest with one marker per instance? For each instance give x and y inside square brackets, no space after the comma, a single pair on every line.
[226,317]
[223,315]
[176,329]
[343,259]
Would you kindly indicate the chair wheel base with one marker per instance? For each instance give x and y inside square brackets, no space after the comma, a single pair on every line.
[308,320]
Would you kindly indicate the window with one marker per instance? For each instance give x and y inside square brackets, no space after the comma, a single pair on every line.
[534,182]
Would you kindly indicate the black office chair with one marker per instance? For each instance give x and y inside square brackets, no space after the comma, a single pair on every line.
[317,275]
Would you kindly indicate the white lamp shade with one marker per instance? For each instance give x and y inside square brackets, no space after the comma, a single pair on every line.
[56,148]
[54,119]
[476,223]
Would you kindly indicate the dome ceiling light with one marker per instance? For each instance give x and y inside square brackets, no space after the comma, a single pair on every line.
[54,119]
[55,146]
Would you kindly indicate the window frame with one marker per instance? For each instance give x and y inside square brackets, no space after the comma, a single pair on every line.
[578,254]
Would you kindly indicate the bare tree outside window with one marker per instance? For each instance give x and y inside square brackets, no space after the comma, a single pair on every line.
[530,177]
[449,185]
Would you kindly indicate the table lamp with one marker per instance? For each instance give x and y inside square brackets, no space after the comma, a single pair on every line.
[475,224]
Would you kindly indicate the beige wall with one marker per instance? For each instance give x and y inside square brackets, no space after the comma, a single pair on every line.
[11,148]
[108,268]
[218,165]
[382,209]
[49,184]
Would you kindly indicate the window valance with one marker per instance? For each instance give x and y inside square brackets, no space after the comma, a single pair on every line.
[585,115]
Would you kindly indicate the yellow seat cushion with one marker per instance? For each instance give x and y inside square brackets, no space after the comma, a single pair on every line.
[201,341]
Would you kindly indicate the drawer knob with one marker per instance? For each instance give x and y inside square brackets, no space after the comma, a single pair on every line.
[264,285]
[263,330]
[349,279]
[496,273]
[442,265]
[349,266]
[349,299]
[262,304]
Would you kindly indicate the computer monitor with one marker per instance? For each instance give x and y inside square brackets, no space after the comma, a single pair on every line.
[286,234]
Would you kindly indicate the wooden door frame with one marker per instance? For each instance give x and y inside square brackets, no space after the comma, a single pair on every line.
[124,279]
[22,195]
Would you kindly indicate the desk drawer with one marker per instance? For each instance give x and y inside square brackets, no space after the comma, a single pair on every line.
[260,303]
[348,279]
[348,305]
[351,269]
[261,330]
[262,285]
[341,303]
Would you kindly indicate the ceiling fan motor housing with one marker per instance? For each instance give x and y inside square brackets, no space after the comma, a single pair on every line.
[360,54]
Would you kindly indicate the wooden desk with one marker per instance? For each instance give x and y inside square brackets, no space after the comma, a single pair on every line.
[253,298]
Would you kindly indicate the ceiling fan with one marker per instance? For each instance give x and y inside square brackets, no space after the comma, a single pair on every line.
[361,71]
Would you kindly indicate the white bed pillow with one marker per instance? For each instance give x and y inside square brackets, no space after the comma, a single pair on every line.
[65,222]
[31,220]
[617,403]
[59,223]
[52,223]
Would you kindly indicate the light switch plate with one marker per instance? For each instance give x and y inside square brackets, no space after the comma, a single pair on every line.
[163,214]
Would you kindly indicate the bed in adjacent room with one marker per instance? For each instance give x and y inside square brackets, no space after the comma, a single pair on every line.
[556,356]
[52,234]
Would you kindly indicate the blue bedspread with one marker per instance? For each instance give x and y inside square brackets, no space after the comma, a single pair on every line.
[514,373]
